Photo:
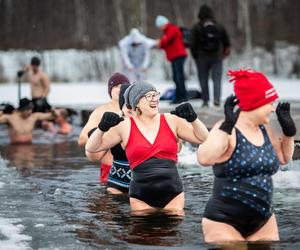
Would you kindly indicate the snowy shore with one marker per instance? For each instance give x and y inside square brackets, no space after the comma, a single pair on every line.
[90,94]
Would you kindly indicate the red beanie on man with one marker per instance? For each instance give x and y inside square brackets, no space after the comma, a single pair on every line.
[116,79]
[252,89]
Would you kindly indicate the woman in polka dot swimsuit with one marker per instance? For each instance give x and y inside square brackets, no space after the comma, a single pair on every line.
[245,153]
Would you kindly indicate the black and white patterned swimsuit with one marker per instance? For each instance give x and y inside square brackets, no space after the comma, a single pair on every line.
[120,173]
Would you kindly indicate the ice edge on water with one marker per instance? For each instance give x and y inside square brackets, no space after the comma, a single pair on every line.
[287,177]
[12,233]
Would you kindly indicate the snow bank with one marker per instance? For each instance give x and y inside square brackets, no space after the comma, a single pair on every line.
[80,65]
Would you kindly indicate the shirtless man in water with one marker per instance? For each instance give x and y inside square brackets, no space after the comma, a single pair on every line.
[40,85]
[21,122]
[114,84]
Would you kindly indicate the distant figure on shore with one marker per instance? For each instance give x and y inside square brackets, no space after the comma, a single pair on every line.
[21,122]
[209,44]
[39,83]
[172,43]
[114,84]
[135,53]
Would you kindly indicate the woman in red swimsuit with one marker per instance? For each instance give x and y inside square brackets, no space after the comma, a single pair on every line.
[150,141]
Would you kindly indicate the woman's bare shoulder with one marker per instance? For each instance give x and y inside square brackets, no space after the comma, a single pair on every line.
[100,110]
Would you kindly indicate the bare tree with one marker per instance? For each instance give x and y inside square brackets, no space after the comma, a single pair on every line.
[119,17]
[244,7]
[177,12]
[81,23]
[143,13]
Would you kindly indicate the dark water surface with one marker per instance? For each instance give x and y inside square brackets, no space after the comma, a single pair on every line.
[51,199]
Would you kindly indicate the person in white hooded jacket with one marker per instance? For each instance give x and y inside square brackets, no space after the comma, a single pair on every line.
[135,53]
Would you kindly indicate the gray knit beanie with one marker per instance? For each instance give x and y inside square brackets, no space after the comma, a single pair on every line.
[135,92]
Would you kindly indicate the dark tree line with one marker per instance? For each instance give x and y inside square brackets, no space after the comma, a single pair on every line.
[98,24]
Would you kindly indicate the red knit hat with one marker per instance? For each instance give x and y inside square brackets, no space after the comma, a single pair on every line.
[252,89]
[116,79]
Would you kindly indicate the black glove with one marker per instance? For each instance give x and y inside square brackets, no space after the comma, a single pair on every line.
[20,73]
[91,132]
[230,116]
[185,111]
[109,119]
[285,120]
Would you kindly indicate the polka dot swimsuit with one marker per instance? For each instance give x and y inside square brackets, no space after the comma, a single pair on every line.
[244,181]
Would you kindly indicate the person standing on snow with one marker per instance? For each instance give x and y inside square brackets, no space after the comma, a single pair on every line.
[135,54]
[209,45]
[39,83]
[172,43]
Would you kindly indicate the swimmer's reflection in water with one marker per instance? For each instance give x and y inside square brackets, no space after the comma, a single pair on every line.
[242,246]
[107,213]
[33,156]
[155,227]
[21,156]
[112,223]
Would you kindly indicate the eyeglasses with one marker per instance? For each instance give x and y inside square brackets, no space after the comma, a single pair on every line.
[149,97]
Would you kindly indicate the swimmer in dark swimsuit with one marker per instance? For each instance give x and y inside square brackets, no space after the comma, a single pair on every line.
[114,83]
[245,153]
[120,173]
[150,140]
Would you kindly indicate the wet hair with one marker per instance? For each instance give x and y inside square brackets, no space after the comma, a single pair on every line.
[25,104]
[64,113]
[35,61]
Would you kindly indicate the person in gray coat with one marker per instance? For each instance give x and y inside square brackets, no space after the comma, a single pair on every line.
[135,53]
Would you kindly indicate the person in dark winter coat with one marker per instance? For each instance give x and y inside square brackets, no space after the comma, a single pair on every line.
[209,45]
[172,43]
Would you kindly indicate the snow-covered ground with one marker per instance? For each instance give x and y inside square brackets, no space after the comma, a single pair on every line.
[88,94]
[86,73]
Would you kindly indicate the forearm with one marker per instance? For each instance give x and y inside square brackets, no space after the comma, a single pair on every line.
[47,90]
[46,86]
[193,44]
[95,157]
[127,62]
[146,61]
[287,147]
[94,143]
[83,137]
[200,130]
[124,56]
[165,39]
[82,140]
[45,116]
